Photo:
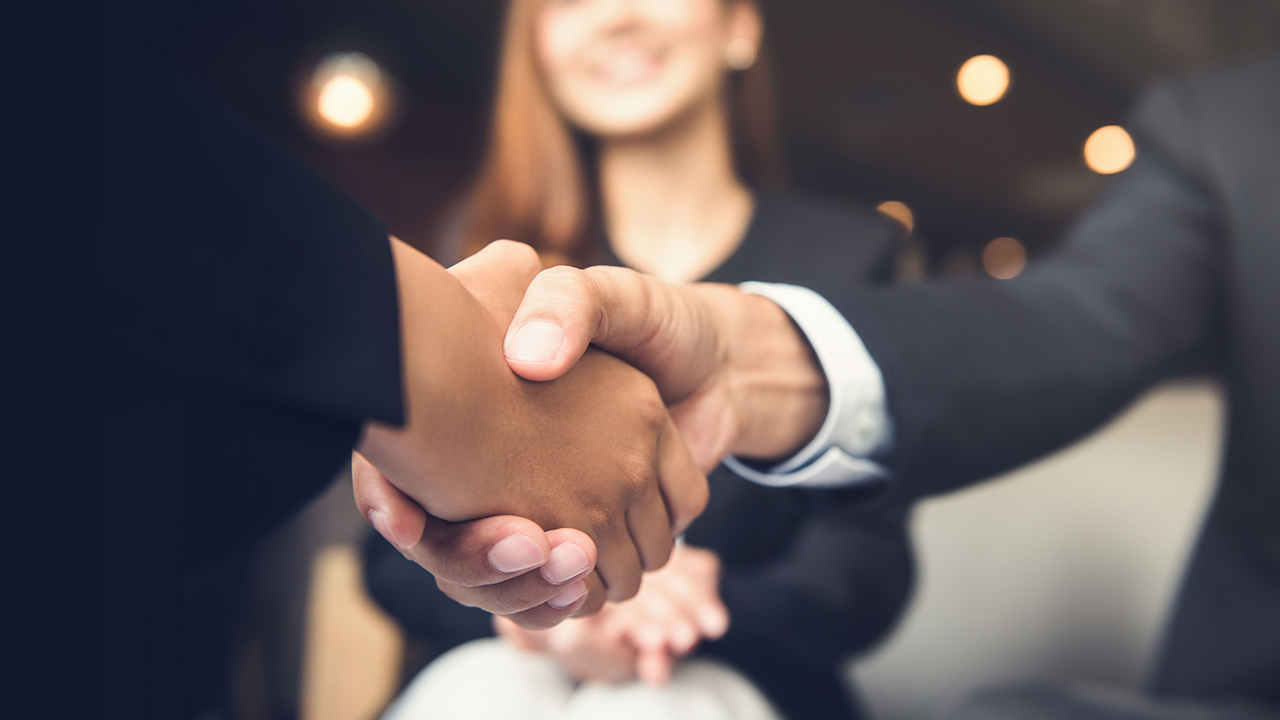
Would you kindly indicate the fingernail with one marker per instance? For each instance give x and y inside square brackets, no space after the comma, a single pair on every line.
[536,341]
[569,595]
[382,523]
[516,553]
[566,562]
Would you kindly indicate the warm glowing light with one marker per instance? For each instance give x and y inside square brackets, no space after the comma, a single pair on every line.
[1004,258]
[900,212]
[345,101]
[1109,150]
[983,79]
[348,95]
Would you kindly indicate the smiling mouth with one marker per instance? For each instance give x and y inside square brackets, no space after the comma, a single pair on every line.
[627,67]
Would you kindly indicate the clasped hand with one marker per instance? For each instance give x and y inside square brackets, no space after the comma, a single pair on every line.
[494,459]
[734,372]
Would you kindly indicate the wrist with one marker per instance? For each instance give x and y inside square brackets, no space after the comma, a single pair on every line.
[778,388]
[440,415]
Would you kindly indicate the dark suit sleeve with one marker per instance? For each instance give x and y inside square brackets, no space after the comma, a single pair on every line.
[982,375]
[252,307]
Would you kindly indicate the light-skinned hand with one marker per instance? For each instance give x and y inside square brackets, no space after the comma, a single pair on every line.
[643,638]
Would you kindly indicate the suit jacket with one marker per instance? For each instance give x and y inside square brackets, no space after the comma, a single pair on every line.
[251,300]
[808,577]
[250,326]
[1178,262]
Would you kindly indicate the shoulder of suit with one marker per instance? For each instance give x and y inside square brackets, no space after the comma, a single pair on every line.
[1250,81]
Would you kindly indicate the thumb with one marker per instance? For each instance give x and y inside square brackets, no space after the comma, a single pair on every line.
[560,315]
[652,325]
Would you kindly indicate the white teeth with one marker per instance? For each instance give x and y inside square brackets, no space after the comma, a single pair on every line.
[624,68]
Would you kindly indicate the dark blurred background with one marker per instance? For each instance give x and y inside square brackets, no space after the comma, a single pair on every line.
[866,95]
[869,112]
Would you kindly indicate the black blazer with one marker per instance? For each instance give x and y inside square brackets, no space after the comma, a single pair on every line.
[808,577]
[248,324]
[1178,262]
[250,300]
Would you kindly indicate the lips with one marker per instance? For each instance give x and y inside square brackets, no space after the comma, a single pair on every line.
[621,68]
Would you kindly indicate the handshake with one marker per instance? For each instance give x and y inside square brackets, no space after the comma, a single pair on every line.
[559,424]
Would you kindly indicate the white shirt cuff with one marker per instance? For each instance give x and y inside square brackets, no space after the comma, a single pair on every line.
[857,426]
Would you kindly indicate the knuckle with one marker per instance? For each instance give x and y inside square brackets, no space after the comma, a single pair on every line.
[515,251]
[636,475]
[649,402]
[596,517]
[567,279]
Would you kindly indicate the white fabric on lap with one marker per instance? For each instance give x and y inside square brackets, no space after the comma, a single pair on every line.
[490,680]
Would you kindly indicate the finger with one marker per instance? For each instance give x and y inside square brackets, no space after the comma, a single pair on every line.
[573,555]
[600,663]
[649,525]
[683,486]
[707,425]
[474,553]
[666,626]
[482,552]
[555,323]
[619,564]
[565,309]
[395,516]
[596,597]
[588,654]
[691,585]
[701,605]
[653,666]
[682,637]
[524,599]
[498,275]
[529,599]
[550,614]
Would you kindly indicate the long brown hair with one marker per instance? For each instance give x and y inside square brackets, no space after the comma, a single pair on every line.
[537,183]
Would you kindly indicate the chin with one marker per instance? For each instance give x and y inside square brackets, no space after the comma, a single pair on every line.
[624,128]
[630,121]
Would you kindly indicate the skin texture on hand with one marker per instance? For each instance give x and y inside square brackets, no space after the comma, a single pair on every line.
[642,638]
[485,563]
[736,373]
[595,450]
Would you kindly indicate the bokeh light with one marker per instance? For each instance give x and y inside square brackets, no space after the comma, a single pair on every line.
[1004,258]
[900,212]
[1109,150]
[345,101]
[348,95]
[983,79]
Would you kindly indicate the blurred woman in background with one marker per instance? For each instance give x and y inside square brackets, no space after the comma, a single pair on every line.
[640,133]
